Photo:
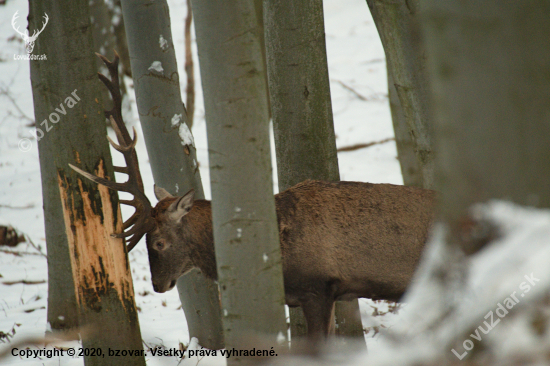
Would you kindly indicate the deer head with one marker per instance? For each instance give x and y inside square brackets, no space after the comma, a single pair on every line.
[29,40]
[168,258]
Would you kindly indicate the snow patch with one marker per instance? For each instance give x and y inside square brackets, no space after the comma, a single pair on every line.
[163,43]
[193,344]
[176,119]
[156,66]
[186,135]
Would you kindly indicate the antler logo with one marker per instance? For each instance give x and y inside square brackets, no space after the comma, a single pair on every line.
[29,40]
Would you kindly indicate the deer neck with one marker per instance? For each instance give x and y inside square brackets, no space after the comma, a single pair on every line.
[196,230]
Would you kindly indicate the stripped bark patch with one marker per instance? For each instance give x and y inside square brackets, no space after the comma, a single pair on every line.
[98,260]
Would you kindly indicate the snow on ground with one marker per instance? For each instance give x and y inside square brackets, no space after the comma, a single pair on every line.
[356,62]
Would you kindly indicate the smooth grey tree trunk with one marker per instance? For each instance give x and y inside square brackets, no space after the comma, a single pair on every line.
[89,281]
[104,39]
[397,24]
[405,146]
[119,29]
[244,218]
[489,65]
[173,160]
[302,114]
[104,14]
[189,67]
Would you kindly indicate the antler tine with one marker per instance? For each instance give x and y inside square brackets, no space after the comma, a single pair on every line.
[141,221]
[132,242]
[94,178]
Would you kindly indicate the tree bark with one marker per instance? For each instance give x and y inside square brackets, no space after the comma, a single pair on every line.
[106,40]
[244,218]
[405,146]
[173,160]
[89,279]
[302,114]
[490,87]
[397,24]
[189,68]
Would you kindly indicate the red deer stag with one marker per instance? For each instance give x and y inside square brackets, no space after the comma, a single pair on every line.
[339,240]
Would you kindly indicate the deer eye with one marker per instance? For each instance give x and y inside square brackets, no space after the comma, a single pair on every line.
[160,245]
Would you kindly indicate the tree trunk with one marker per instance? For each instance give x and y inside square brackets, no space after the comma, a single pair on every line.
[488,68]
[89,279]
[405,146]
[173,160]
[103,14]
[189,68]
[302,114]
[120,35]
[244,218]
[490,86]
[397,24]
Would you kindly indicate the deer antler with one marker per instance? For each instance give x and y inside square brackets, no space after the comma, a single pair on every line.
[141,220]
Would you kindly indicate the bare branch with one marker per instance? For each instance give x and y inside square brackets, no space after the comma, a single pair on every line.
[362,146]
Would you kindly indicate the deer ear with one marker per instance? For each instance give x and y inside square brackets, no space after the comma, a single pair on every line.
[182,205]
[161,193]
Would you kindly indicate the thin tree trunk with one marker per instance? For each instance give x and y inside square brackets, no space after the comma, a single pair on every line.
[173,160]
[189,68]
[120,34]
[405,146]
[397,24]
[302,114]
[490,87]
[106,40]
[89,279]
[244,218]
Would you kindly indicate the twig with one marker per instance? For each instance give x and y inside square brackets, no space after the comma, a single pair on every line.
[6,93]
[356,93]
[24,282]
[38,249]
[30,205]
[362,146]
[189,68]
[19,254]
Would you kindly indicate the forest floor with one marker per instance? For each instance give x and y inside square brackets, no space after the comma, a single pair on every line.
[361,115]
